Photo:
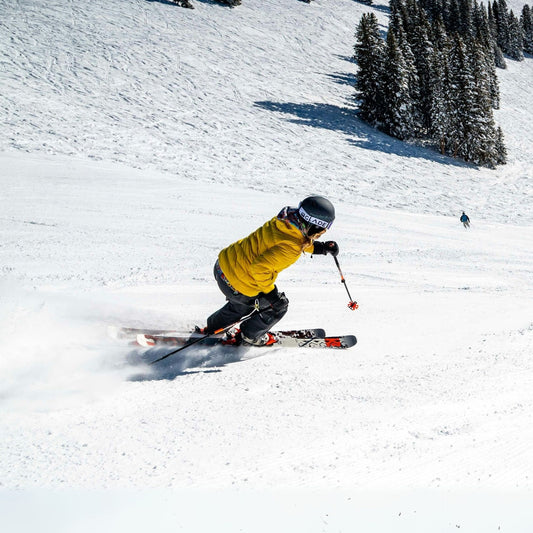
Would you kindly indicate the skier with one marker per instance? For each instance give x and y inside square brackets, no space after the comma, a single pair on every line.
[465,220]
[246,271]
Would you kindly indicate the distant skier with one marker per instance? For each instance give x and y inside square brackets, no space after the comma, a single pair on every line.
[246,271]
[465,220]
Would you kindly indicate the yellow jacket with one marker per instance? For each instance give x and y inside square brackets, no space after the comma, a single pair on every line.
[252,264]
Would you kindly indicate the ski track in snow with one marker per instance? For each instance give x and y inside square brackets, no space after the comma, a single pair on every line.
[143,83]
[138,139]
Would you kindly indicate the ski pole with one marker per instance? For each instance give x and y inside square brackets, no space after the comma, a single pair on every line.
[191,342]
[352,304]
[206,336]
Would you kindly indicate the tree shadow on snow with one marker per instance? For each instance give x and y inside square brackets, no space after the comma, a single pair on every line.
[344,120]
[214,3]
[165,2]
[350,59]
[343,78]
[204,360]
[383,9]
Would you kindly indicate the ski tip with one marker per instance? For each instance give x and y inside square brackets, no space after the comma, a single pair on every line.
[350,340]
[344,341]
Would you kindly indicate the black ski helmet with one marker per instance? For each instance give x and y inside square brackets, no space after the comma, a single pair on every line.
[317,212]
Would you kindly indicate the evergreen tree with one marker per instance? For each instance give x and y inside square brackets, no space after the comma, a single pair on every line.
[473,133]
[493,30]
[461,84]
[499,148]
[411,73]
[370,55]
[435,77]
[465,17]
[515,39]
[452,17]
[399,113]
[422,49]
[440,128]
[409,11]
[499,60]
[501,18]
[482,34]
[484,131]
[526,20]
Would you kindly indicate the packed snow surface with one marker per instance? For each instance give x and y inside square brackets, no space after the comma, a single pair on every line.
[137,140]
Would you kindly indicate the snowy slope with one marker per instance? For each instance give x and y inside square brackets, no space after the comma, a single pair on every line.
[138,139]
[255,95]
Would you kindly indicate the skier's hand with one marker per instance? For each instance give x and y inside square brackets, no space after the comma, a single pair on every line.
[273,296]
[331,247]
[278,301]
[324,248]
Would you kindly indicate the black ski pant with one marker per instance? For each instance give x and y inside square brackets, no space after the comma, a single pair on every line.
[239,305]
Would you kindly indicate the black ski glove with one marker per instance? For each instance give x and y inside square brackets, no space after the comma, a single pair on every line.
[277,300]
[272,296]
[328,247]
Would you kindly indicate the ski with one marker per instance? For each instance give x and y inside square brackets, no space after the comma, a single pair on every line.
[117,332]
[289,339]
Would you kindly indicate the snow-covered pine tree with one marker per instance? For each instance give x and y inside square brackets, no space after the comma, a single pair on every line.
[509,31]
[499,60]
[462,85]
[501,10]
[408,12]
[465,17]
[440,129]
[399,111]
[422,49]
[526,20]
[499,148]
[516,39]
[484,132]
[426,83]
[413,81]
[482,34]
[452,16]
[500,14]
[369,55]
[473,133]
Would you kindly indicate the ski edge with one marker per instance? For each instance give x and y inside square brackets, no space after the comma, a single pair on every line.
[120,333]
[335,342]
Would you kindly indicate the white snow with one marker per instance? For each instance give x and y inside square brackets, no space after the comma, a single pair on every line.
[138,139]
